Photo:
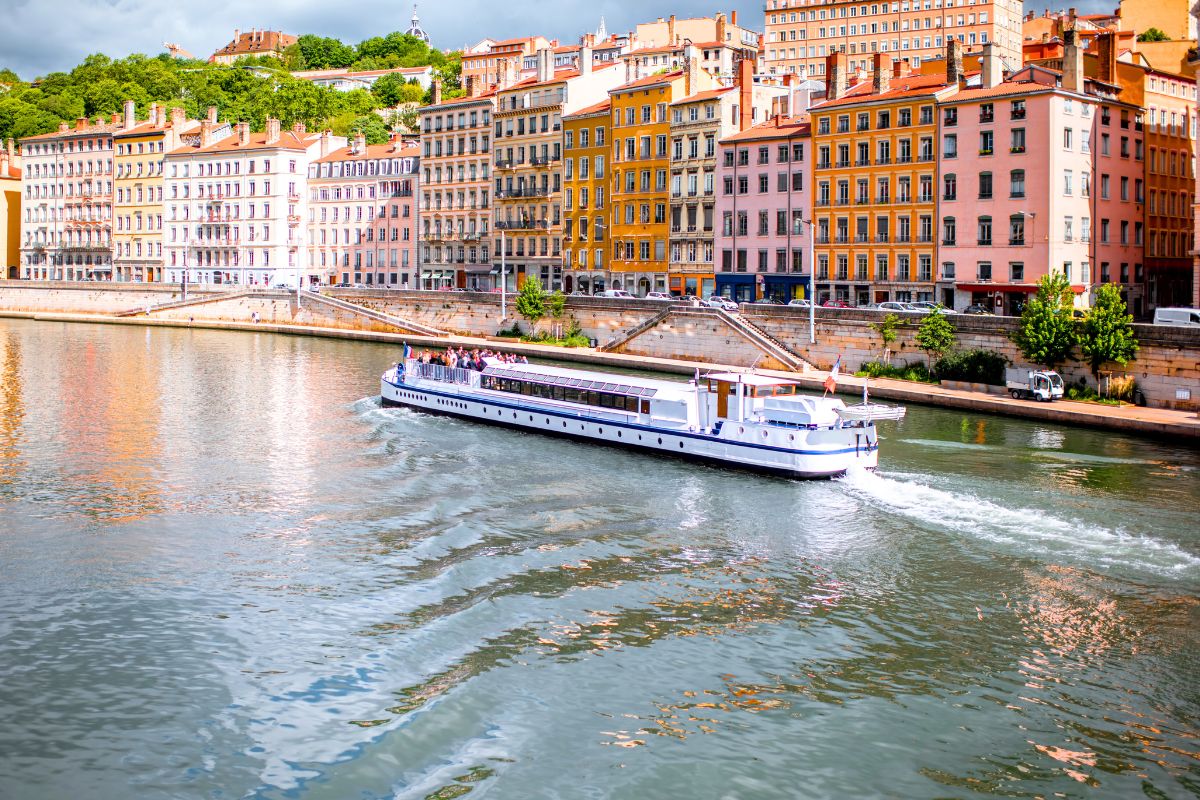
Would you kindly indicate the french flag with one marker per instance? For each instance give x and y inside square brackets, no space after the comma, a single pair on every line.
[831,382]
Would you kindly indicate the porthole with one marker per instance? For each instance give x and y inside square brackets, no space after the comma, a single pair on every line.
[531,417]
[639,437]
[660,440]
[547,420]
[681,445]
[618,434]
[602,431]
[741,430]
[791,437]
[514,415]
[564,423]
[764,433]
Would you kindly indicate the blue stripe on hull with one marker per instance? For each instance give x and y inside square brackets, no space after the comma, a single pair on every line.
[628,445]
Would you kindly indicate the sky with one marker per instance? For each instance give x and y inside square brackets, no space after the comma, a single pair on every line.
[117,28]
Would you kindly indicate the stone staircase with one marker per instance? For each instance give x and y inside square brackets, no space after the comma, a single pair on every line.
[636,331]
[208,297]
[765,341]
[396,322]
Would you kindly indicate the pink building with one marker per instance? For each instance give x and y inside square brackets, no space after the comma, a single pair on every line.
[1118,236]
[762,209]
[362,224]
[1016,184]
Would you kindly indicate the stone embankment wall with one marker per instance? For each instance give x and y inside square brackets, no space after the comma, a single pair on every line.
[1168,361]
[1167,367]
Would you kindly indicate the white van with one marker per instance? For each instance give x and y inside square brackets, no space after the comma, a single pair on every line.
[1177,316]
[614,293]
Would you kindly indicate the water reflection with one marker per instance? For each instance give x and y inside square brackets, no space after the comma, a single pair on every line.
[295,593]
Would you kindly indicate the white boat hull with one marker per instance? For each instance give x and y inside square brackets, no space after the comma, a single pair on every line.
[789,452]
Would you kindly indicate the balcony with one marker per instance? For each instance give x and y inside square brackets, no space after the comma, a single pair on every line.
[504,163]
[883,161]
[882,201]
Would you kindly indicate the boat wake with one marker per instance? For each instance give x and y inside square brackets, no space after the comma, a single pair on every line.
[1029,530]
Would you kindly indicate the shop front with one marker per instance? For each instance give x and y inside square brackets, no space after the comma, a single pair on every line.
[784,288]
[740,287]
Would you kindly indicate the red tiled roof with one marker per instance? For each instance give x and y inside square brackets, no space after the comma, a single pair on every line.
[776,128]
[708,95]
[649,80]
[89,130]
[999,90]
[288,140]
[911,86]
[602,106]
[372,151]
[145,127]
[488,95]
[256,42]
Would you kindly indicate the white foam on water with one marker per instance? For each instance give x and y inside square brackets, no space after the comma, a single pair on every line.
[1031,531]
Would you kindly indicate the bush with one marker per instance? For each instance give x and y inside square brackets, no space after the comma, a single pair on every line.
[908,372]
[512,332]
[972,366]
[1122,387]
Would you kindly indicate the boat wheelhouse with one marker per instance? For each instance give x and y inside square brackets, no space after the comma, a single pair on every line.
[742,420]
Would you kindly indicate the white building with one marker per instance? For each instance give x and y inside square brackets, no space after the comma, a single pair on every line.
[67,193]
[344,80]
[236,202]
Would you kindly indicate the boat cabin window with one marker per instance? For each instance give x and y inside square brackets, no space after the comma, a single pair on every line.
[783,390]
[569,394]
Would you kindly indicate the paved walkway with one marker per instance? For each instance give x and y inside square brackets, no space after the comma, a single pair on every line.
[1160,422]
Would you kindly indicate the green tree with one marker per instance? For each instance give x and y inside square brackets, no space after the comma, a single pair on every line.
[1107,333]
[935,335]
[531,301]
[374,128]
[1153,35]
[886,328]
[393,89]
[324,52]
[1046,333]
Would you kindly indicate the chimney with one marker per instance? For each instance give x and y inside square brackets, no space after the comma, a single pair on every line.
[837,73]
[545,65]
[585,60]
[954,65]
[881,72]
[993,70]
[237,34]
[272,130]
[154,109]
[178,117]
[81,123]
[691,69]
[435,92]
[745,79]
[206,131]
[326,142]
[212,114]
[471,86]
[358,143]
[243,134]
[671,30]
[63,126]
[299,129]
[629,69]
[1106,50]
[130,119]
[3,164]
[720,27]
[116,119]
[1072,74]
[10,147]
[733,17]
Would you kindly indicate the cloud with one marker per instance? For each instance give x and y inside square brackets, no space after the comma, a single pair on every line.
[43,36]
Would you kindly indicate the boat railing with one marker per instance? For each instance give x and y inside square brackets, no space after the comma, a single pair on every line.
[442,374]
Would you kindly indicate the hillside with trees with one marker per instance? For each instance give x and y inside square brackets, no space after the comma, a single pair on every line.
[249,91]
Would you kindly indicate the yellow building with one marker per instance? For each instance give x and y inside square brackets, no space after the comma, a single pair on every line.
[874,194]
[585,171]
[10,213]
[138,190]
[641,164]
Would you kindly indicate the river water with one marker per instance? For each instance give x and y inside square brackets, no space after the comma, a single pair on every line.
[227,572]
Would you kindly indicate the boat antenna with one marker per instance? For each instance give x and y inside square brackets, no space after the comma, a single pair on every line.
[865,390]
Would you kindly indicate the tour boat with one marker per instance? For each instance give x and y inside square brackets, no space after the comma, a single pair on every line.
[741,420]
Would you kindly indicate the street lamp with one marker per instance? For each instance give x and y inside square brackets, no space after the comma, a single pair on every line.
[503,282]
[812,279]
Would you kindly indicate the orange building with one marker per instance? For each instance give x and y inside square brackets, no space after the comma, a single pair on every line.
[10,213]
[585,178]
[874,202]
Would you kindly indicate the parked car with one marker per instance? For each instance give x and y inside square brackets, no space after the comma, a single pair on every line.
[768,301]
[723,303]
[614,293]
[892,305]
[659,296]
[799,303]
[978,309]
[927,307]
[836,304]
[1177,316]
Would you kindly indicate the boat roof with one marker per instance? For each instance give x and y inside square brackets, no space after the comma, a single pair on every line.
[599,381]
[750,379]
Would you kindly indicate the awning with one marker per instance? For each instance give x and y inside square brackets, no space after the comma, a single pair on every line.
[1026,288]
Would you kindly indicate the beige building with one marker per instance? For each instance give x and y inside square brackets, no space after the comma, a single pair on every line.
[140,149]
[528,145]
[254,43]
[801,33]
[456,193]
